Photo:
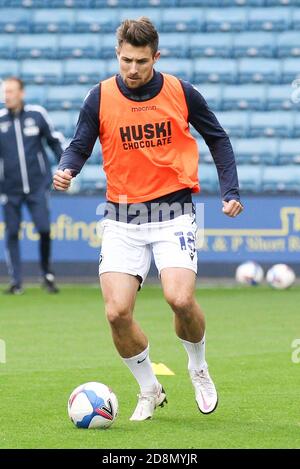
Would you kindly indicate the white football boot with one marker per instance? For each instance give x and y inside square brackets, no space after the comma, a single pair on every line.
[148,403]
[205,391]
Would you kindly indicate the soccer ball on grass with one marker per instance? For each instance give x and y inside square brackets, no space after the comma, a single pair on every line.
[93,405]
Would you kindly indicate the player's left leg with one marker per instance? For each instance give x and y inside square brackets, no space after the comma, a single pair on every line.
[38,207]
[178,286]
[176,259]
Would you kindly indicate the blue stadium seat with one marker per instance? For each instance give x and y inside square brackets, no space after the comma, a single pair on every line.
[208,178]
[296,132]
[269,19]
[27,3]
[281,179]
[173,45]
[205,155]
[15,20]
[155,14]
[251,3]
[296,18]
[212,94]
[288,44]
[211,45]
[74,115]
[279,97]
[290,70]
[84,71]
[259,71]
[215,70]
[198,3]
[181,68]
[8,68]
[256,151]
[182,20]
[254,44]
[244,97]
[228,19]
[36,46]
[66,97]
[112,67]
[155,3]
[96,156]
[91,178]
[250,178]
[289,151]
[79,45]
[241,3]
[52,20]
[35,94]
[69,3]
[282,2]
[236,124]
[112,3]
[7,46]
[271,124]
[42,71]
[107,44]
[62,122]
[95,21]
[295,94]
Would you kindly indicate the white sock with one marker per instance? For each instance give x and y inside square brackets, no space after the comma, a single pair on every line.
[141,368]
[196,354]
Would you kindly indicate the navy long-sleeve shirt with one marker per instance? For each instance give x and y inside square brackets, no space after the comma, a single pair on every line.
[199,116]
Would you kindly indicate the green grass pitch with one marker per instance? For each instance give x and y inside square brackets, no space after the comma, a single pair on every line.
[54,343]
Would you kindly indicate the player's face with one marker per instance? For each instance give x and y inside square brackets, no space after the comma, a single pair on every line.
[13,95]
[136,64]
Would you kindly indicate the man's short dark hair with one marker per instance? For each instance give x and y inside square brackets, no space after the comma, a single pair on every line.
[138,33]
[17,80]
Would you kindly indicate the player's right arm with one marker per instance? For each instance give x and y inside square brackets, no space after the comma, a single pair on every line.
[82,144]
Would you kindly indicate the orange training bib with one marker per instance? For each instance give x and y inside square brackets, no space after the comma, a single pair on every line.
[148,150]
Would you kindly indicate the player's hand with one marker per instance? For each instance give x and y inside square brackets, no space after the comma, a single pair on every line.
[232,208]
[62,179]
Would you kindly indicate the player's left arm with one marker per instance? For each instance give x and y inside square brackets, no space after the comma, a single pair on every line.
[217,140]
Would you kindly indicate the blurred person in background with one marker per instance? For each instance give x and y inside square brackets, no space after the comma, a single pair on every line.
[150,158]
[25,178]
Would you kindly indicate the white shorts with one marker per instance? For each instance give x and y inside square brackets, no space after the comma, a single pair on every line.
[128,248]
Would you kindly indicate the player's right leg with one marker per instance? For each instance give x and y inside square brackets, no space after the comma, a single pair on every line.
[124,265]
[119,293]
[12,218]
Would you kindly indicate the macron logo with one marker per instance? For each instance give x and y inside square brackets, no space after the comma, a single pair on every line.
[143,108]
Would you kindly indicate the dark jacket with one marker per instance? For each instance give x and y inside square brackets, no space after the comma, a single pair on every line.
[24,165]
